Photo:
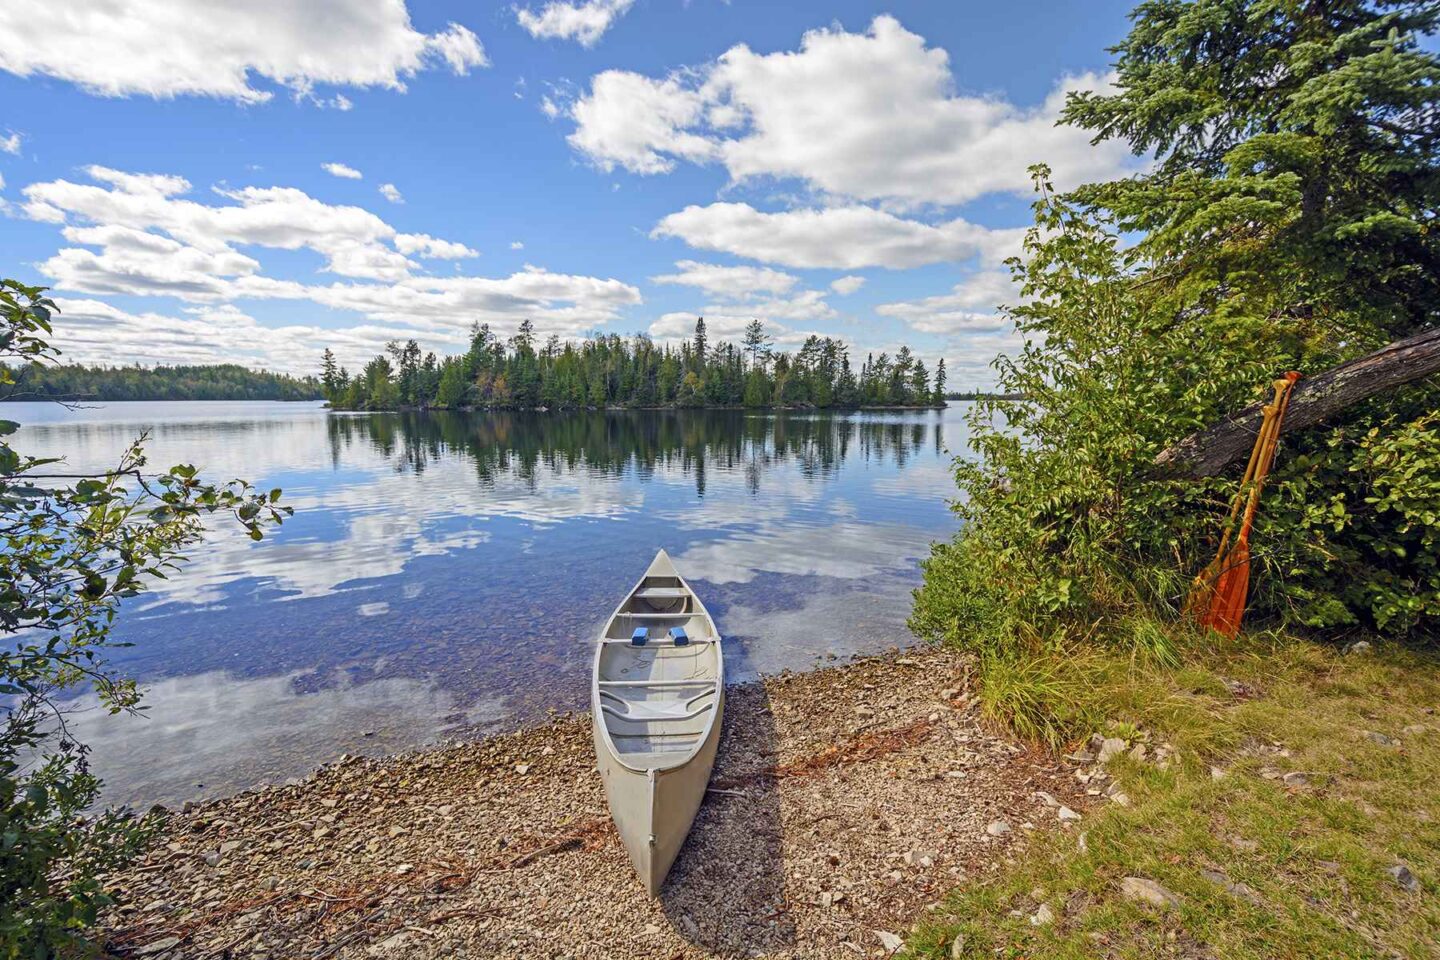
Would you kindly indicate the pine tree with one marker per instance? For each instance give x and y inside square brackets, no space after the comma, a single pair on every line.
[699,346]
[330,376]
[757,342]
[1297,159]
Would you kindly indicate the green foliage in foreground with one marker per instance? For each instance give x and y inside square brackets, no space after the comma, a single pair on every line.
[1288,224]
[71,548]
[220,381]
[612,371]
[1313,858]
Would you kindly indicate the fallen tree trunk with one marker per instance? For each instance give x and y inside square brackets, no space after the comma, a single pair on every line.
[1314,400]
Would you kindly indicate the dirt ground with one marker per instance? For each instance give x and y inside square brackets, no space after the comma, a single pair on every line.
[843,803]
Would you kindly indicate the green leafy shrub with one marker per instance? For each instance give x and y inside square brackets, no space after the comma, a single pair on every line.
[1285,223]
[72,547]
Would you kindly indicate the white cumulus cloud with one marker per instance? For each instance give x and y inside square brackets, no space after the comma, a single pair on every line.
[168,48]
[584,22]
[352,240]
[10,143]
[872,116]
[972,305]
[841,238]
[640,124]
[141,235]
[391,192]
[341,170]
[732,282]
[847,285]
[424,245]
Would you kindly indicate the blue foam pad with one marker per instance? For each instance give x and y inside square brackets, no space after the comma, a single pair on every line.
[679,635]
[640,635]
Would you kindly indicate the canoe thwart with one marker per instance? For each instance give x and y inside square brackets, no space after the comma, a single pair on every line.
[661,593]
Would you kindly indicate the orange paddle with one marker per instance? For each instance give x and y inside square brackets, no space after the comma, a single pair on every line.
[1224,600]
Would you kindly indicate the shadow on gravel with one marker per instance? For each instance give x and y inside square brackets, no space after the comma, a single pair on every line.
[726,892]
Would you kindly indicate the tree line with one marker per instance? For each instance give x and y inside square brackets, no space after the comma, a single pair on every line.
[223,381]
[609,371]
[524,445]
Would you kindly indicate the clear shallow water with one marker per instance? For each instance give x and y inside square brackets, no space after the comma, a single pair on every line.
[443,573]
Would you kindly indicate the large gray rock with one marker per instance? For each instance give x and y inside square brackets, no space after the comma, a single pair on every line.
[1145,890]
[1110,748]
[1401,874]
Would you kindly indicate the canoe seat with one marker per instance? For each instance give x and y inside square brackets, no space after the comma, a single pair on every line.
[692,642]
[699,682]
[655,710]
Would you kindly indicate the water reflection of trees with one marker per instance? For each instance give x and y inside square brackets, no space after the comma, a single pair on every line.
[613,443]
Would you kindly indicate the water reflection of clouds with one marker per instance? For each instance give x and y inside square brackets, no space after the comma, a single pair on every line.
[230,733]
[479,551]
[379,521]
[363,511]
[846,551]
[818,621]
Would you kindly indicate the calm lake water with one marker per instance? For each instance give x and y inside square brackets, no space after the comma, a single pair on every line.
[443,572]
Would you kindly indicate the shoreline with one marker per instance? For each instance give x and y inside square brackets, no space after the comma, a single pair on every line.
[844,802]
[868,408]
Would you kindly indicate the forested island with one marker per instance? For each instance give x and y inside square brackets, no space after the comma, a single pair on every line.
[614,371]
[224,381]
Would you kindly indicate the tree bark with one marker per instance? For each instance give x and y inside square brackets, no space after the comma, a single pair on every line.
[1314,400]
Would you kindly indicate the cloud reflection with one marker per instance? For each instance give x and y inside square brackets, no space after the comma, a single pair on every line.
[229,733]
[846,551]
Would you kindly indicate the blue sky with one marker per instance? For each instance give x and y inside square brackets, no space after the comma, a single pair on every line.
[845,169]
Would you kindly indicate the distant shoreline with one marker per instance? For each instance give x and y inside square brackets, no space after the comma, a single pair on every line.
[625,409]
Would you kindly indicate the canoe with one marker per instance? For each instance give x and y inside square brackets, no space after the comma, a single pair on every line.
[656,700]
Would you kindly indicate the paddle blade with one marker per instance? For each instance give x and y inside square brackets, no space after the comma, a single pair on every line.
[1227,605]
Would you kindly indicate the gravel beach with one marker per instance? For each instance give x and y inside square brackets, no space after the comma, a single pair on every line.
[843,803]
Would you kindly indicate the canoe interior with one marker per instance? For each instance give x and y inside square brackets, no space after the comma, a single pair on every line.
[656,700]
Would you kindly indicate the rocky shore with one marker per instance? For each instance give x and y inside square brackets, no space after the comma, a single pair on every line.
[844,802]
